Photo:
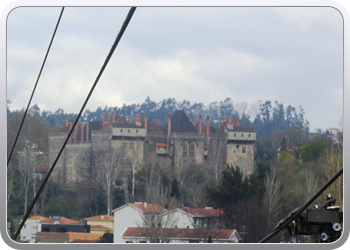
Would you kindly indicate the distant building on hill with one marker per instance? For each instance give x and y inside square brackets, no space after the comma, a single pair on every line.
[178,142]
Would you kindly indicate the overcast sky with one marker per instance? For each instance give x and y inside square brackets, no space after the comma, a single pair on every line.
[292,55]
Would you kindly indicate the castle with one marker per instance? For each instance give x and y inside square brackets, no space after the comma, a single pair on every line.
[175,144]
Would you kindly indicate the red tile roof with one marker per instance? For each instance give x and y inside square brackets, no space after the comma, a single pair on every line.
[150,208]
[100,227]
[66,236]
[38,217]
[222,234]
[101,217]
[61,220]
[83,241]
[84,236]
[202,212]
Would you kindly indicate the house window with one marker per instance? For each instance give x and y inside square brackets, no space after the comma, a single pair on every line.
[244,150]
[242,134]
[234,134]
[129,241]
[137,130]
[121,130]
[142,241]
[24,237]
[249,135]
[24,226]
[124,145]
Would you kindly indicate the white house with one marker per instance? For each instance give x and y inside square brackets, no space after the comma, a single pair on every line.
[31,227]
[186,217]
[333,131]
[133,215]
[179,235]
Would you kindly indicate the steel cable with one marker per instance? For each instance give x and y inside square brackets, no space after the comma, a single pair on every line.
[36,83]
[301,209]
[120,34]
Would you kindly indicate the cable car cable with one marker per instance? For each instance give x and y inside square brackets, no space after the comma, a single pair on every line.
[301,209]
[120,34]
[36,83]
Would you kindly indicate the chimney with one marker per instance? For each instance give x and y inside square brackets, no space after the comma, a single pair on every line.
[200,124]
[130,119]
[237,121]
[82,132]
[76,131]
[70,128]
[169,125]
[67,120]
[224,120]
[146,123]
[194,121]
[87,131]
[158,122]
[103,118]
[208,126]
[113,119]
[109,117]
[219,122]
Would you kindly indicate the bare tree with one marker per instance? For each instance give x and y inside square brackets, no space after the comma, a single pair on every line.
[216,155]
[87,176]
[101,167]
[26,169]
[333,164]
[194,186]
[109,164]
[311,184]
[156,222]
[272,197]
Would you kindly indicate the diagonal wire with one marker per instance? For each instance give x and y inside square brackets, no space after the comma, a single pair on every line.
[36,83]
[301,209]
[120,34]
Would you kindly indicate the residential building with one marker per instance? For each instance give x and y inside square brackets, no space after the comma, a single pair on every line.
[136,214]
[31,227]
[66,237]
[101,223]
[186,217]
[333,131]
[179,235]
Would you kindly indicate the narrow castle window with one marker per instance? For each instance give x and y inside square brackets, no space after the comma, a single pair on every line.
[121,130]
[244,150]
[242,134]
[184,150]
[192,149]
[234,134]
[124,145]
